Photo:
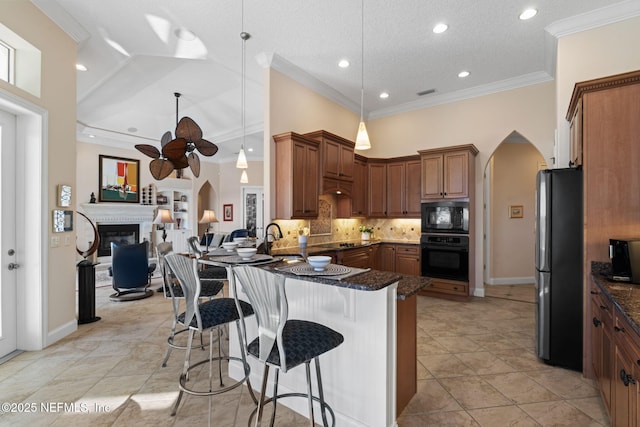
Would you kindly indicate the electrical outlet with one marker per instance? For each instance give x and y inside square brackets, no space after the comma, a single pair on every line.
[55,241]
[67,240]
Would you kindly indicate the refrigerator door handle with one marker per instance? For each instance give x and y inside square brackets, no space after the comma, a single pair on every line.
[543,314]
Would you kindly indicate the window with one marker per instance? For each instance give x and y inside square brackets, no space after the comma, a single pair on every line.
[7,55]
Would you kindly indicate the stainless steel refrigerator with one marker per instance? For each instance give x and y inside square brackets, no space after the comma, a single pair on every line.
[559,255]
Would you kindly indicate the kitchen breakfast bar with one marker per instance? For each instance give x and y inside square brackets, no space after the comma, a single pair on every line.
[370,377]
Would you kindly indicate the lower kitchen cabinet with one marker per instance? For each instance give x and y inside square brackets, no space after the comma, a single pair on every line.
[398,258]
[357,257]
[615,354]
[446,287]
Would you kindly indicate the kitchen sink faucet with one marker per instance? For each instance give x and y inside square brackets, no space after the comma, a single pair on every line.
[267,241]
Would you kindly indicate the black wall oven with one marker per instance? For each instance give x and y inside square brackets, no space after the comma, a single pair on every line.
[445,256]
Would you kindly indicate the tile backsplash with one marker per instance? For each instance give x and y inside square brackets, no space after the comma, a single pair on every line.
[390,229]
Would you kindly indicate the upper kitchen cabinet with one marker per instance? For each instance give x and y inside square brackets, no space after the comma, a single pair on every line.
[336,162]
[448,172]
[575,137]
[377,197]
[297,159]
[356,205]
[403,187]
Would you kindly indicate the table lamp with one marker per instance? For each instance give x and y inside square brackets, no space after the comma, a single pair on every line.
[163,217]
[208,216]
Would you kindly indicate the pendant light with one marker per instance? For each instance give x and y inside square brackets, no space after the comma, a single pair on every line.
[242,158]
[362,139]
[244,179]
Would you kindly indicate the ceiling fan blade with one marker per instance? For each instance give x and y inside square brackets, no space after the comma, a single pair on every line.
[148,150]
[206,148]
[194,164]
[160,168]
[175,149]
[166,138]
[180,162]
[188,129]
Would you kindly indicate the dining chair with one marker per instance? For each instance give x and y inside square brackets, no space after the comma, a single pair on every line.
[282,343]
[208,316]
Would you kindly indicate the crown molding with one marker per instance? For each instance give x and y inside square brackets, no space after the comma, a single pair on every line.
[62,19]
[596,18]
[460,95]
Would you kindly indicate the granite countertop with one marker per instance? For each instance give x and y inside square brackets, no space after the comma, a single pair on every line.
[626,296]
[370,280]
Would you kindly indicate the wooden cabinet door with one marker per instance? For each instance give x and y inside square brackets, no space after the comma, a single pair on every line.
[357,258]
[596,326]
[377,174]
[359,197]
[624,389]
[407,260]
[575,137]
[345,170]
[305,185]
[432,176]
[395,189]
[456,175]
[413,173]
[387,257]
[330,159]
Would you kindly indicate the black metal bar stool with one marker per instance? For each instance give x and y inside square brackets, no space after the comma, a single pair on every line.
[282,343]
[201,317]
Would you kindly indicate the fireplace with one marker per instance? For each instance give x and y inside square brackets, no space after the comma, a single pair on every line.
[117,233]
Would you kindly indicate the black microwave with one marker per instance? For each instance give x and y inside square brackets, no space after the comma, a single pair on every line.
[445,217]
[625,260]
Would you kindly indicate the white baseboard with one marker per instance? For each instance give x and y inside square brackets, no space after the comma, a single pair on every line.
[511,281]
[478,292]
[61,332]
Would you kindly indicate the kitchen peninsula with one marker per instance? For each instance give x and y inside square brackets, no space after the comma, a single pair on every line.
[365,378]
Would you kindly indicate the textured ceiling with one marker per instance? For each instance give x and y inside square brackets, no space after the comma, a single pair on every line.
[135,61]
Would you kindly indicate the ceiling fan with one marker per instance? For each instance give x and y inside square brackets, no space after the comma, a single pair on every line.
[179,152]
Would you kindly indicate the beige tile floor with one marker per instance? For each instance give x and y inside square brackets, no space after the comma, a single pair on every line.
[476,367]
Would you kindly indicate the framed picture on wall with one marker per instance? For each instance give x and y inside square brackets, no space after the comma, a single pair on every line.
[118,179]
[227,212]
[516,211]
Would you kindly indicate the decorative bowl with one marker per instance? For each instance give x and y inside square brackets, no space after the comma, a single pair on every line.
[246,253]
[230,246]
[319,262]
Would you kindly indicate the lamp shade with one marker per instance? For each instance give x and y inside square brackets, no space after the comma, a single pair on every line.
[242,159]
[362,139]
[244,178]
[208,216]
[163,217]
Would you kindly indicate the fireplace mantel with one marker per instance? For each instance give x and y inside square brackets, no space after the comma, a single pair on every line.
[118,213]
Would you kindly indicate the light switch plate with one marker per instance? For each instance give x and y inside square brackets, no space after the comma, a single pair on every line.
[55,241]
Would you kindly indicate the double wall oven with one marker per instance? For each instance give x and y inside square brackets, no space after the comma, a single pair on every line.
[445,240]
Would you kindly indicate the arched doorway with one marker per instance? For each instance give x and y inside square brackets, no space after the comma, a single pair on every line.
[206,200]
[509,218]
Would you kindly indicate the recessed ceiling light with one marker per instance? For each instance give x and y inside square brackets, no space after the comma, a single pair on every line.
[91,135]
[463,74]
[528,14]
[384,95]
[184,34]
[250,150]
[81,67]
[344,63]
[132,129]
[440,28]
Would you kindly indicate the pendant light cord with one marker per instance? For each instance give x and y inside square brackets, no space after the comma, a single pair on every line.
[244,36]
[362,61]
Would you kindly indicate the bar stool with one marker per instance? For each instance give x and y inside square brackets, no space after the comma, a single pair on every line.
[207,316]
[173,291]
[282,343]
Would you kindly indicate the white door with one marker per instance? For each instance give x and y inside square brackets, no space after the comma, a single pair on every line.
[8,301]
[253,210]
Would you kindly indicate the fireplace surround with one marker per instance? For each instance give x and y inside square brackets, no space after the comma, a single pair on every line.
[105,215]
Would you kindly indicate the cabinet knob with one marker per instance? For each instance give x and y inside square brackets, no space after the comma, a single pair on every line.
[596,322]
[617,329]
[626,378]
[604,307]
[594,292]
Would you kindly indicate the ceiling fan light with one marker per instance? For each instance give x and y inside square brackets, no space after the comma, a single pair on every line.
[362,139]
[242,159]
[244,179]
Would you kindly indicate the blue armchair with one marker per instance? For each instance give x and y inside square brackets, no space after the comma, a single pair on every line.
[241,232]
[130,269]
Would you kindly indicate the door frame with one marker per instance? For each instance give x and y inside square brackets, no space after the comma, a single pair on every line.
[250,189]
[31,221]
